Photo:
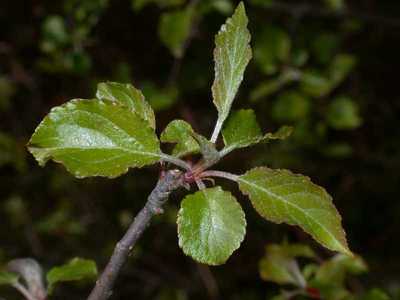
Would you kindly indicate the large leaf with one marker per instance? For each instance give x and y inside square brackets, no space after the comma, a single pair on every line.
[174,29]
[181,133]
[211,225]
[231,54]
[127,94]
[74,270]
[95,138]
[281,196]
[8,278]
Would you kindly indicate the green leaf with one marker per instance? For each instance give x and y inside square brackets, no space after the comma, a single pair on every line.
[340,68]
[375,294]
[291,106]
[271,49]
[207,148]
[241,129]
[174,29]
[231,54]
[160,99]
[324,46]
[343,114]
[95,138]
[315,83]
[8,278]
[279,265]
[181,133]
[211,225]
[75,270]
[128,95]
[281,196]
[335,269]
[281,134]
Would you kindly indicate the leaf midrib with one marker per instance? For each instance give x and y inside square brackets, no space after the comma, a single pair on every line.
[271,194]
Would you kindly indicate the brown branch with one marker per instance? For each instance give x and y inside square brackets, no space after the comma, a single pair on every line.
[169,182]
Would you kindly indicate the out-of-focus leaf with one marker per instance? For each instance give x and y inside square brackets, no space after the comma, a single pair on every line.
[291,107]
[211,225]
[75,270]
[324,46]
[31,272]
[11,152]
[272,48]
[340,68]
[159,99]
[231,54]
[299,57]
[281,196]
[338,150]
[279,264]
[181,133]
[127,94]
[335,269]
[174,29]
[54,34]
[335,4]
[8,278]
[95,138]
[262,3]
[343,114]
[17,210]
[315,83]
[273,85]
[375,294]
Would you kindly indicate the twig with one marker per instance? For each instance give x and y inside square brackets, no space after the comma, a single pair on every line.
[171,181]
[226,175]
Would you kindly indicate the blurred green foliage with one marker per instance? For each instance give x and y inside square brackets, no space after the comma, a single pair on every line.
[327,67]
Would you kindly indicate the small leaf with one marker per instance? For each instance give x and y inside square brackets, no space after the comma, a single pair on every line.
[335,269]
[290,107]
[95,138]
[282,133]
[271,49]
[343,114]
[315,83]
[174,29]
[207,148]
[8,278]
[281,196]
[279,264]
[31,272]
[181,133]
[231,54]
[241,129]
[75,270]
[128,95]
[340,68]
[211,225]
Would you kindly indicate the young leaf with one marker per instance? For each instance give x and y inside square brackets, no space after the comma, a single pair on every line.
[174,29]
[211,225]
[241,129]
[181,133]
[231,54]
[8,278]
[95,138]
[207,148]
[128,95]
[74,270]
[281,196]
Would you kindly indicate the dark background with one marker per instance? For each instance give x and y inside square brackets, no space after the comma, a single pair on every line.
[47,214]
